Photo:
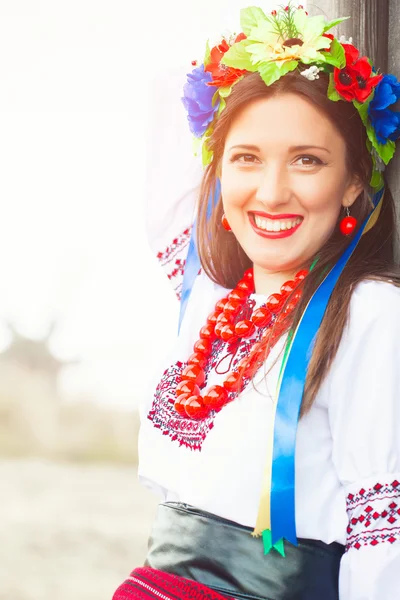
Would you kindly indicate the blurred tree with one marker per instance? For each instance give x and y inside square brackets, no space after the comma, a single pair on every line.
[34,355]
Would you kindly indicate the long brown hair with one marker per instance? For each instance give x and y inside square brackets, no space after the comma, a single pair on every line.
[225,261]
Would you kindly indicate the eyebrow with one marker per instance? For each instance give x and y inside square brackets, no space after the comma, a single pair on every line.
[291,149]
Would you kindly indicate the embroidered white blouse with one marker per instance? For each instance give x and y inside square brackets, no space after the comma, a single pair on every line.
[348,446]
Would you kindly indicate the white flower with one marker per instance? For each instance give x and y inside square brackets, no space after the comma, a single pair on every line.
[311,73]
[226,35]
[343,40]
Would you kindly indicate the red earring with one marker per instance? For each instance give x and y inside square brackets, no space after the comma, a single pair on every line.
[348,224]
[225,223]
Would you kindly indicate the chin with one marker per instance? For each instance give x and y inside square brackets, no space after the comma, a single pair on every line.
[272,263]
[273,267]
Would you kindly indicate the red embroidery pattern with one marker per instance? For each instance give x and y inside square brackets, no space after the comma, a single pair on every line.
[185,431]
[147,583]
[173,259]
[374,516]
[188,432]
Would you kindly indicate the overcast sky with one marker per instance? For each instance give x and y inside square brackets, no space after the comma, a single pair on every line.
[73,124]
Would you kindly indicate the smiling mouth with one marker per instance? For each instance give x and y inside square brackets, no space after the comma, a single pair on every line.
[275,225]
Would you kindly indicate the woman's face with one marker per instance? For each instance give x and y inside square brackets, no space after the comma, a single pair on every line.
[284,181]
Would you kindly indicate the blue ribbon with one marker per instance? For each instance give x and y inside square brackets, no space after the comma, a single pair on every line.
[283,524]
[192,264]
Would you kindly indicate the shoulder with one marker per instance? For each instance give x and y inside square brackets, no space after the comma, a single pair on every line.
[362,389]
[370,289]
[370,343]
[374,301]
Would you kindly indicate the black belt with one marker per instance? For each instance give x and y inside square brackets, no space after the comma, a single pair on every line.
[225,557]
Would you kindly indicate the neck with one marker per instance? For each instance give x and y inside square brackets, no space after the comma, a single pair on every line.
[268,282]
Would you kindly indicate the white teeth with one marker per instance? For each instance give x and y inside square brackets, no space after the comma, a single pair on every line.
[276,224]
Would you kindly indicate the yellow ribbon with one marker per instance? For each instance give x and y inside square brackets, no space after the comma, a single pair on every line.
[374,215]
[264,511]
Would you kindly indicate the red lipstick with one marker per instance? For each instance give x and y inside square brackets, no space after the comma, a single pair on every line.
[273,217]
[273,235]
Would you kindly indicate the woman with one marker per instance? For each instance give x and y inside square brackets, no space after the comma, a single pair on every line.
[284,383]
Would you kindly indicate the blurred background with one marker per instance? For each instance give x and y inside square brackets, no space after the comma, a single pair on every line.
[78,281]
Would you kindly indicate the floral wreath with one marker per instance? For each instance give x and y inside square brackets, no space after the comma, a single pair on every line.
[276,44]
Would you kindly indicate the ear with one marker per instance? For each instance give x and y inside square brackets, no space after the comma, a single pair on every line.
[353,190]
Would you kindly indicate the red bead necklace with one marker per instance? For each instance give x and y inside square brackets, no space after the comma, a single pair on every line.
[191,401]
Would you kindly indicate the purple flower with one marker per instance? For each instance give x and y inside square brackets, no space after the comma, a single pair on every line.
[197,100]
[385,121]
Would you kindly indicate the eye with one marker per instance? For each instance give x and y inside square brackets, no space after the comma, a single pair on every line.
[309,161]
[244,158]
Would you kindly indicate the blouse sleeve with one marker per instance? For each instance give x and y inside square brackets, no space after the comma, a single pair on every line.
[173,175]
[364,413]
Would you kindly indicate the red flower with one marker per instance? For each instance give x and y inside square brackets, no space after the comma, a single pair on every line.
[240,37]
[355,81]
[329,36]
[223,76]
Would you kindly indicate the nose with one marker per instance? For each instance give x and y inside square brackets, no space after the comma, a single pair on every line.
[273,186]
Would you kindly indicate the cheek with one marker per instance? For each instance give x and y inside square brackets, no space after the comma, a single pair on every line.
[320,195]
[237,188]
[233,192]
[233,198]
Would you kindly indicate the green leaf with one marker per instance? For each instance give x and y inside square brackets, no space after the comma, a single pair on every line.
[376,181]
[224,92]
[264,33]
[238,57]
[287,66]
[336,55]
[300,20]
[312,57]
[333,94]
[386,151]
[371,135]
[221,106]
[325,68]
[309,28]
[269,72]
[258,52]
[272,71]
[362,108]
[207,55]
[215,98]
[250,17]
[333,23]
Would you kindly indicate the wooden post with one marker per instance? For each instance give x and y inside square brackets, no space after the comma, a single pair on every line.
[368,25]
[394,68]
[375,28]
